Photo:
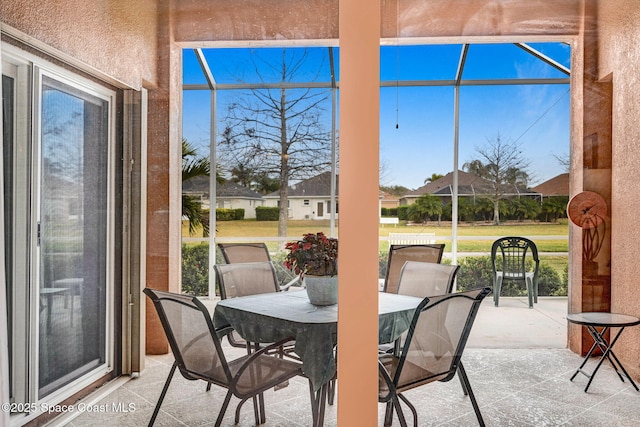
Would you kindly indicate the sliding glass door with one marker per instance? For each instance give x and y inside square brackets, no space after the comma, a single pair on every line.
[59,227]
[73,227]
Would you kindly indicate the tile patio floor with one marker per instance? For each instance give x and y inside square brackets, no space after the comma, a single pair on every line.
[516,359]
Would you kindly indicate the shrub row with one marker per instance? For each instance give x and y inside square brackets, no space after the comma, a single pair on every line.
[477,272]
[388,211]
[229,214]
[267,213]
[195,269]
[481,209]
[474,272]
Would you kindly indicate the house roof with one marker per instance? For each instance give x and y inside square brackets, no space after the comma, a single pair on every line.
[387,197]
[233,189]
[200,185]
[317,186]
[556,186]
[196,185]
[468,185]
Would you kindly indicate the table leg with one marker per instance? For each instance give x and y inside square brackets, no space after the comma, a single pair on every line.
[318,399]
[608,354]
[602,343]
[586,359]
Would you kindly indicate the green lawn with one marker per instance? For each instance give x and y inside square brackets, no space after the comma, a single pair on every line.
[253,228]
[485,233]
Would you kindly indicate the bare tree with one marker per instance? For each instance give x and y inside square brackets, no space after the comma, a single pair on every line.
[564,160]
[279,132]
[500,161]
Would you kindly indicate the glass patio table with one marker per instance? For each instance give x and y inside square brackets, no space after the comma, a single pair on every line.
[275,316]
[605,321]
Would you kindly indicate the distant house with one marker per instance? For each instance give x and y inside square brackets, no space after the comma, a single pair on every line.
[229,195]
[555,187]
[198,188]
[469,185]
[308,199]
[388,201]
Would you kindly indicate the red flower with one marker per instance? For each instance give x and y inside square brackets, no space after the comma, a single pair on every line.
[315,254]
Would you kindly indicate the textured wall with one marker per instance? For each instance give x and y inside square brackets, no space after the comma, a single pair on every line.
[246,20]
[117,37]
[619,33]
[258,20]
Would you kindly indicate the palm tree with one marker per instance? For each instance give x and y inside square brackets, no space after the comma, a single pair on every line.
[425,207]
[433,177]
[194,166]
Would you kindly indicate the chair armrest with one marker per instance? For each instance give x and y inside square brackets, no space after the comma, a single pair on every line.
[225,330]
[254,355]
[287,285]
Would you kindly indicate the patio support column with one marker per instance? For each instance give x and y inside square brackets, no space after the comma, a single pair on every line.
[164,177]
[359,26]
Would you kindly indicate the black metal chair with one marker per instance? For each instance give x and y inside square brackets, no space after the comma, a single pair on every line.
[399,254]
[432,352]
[512,267]
[198,355]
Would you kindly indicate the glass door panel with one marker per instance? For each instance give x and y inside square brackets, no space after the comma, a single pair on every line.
[72,232]
[8,114]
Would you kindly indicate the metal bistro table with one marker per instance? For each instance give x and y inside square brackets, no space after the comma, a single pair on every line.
[605,321]
[279,315]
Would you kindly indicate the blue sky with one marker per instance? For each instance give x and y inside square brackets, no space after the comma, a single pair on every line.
[536,116]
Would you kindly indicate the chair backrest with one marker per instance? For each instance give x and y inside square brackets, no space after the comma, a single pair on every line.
[244,252]
[249,278]
[513,251]
[437,336]
[191,335]
[399,254]
[425,279]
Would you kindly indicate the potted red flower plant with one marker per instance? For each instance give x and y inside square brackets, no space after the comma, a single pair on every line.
[315,258]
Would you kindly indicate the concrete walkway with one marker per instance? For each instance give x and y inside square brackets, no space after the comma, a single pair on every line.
[514,325]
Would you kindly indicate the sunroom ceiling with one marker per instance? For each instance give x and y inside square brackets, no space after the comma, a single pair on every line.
[419,65]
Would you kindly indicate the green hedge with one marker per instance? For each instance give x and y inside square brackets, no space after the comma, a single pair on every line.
[403,212]
[477,271]
[267,213]
[195,269]
[223,214]
[388,211]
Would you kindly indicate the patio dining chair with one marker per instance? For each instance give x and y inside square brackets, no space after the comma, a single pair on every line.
[423,279]
[509,263]
[247,278]
[244,252]
[198,354]
[399,254]
[235,253]
[432,352]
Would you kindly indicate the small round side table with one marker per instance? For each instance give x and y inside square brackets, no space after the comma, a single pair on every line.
[605,321]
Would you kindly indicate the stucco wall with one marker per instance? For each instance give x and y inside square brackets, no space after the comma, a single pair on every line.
[198,21]
[117,37]
[619,59]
